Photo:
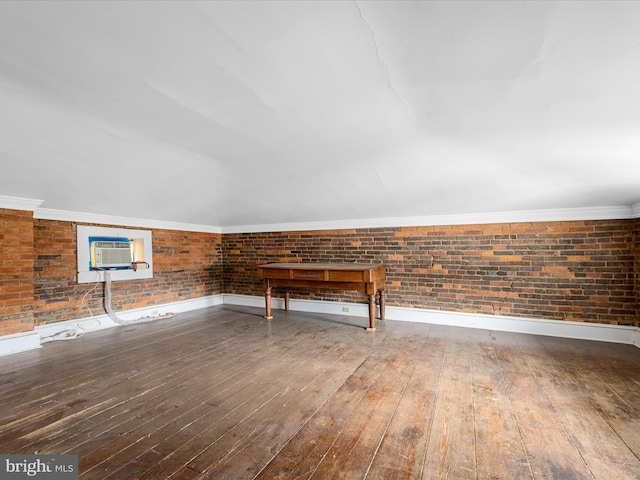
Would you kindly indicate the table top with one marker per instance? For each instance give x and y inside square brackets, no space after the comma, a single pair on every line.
[322,266]
[350,276]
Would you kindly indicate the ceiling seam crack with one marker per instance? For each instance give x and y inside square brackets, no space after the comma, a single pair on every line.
[388,70]
[28,144]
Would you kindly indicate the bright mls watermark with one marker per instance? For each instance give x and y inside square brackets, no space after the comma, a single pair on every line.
[50,467]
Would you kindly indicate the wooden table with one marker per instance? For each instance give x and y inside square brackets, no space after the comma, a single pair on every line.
[362,277]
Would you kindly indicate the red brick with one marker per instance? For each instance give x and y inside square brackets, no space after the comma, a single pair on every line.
[489,264]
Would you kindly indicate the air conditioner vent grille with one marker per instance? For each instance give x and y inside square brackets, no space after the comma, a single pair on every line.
[112,254]
[122,245]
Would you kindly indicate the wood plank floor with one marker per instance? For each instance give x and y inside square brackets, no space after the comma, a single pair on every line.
[222,393]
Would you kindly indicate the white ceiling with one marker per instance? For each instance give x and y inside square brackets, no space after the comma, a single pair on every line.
[263,112]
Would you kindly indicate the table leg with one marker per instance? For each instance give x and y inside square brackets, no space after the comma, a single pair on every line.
[267,301]
[372,312]
[286,300]
[381,304]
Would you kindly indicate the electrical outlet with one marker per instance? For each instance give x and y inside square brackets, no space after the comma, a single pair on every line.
[345,309]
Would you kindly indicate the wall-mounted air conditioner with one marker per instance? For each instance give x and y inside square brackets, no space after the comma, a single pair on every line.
[112,253]
[126,252]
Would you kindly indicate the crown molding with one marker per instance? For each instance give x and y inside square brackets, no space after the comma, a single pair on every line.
[63,215]
[550,215]
[17,203]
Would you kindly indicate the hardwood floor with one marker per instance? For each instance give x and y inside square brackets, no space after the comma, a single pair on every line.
[234,396]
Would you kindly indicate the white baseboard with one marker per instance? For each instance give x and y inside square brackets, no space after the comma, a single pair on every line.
[553,328]
[72,328]
[535,326]
[21,342]
[299,305]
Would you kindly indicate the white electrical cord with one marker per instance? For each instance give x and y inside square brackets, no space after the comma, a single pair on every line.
[87,293]
[110,312]
[63,335]
[73,333]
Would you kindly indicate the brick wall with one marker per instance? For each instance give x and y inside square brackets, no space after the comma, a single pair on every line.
[186,265]
[637,268]
[584,271]
[581,271]
[16,271]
